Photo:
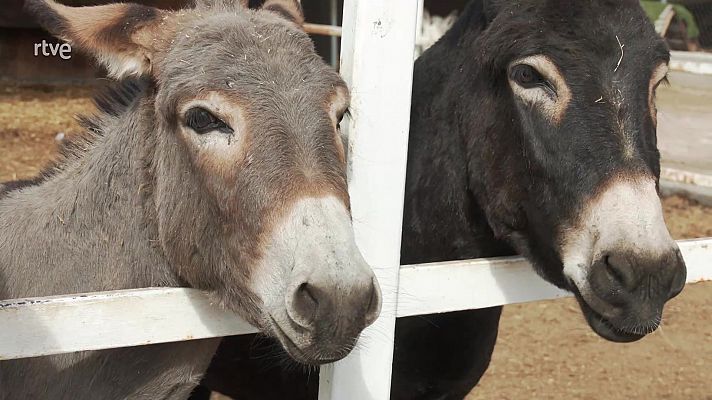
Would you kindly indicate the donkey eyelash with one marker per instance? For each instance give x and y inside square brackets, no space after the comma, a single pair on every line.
[203,121]
[665,81]
[535,80]
[346,113]
[549,87]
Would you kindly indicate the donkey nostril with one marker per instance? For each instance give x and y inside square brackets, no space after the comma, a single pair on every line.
[305,305]
[620,270]
[611,270]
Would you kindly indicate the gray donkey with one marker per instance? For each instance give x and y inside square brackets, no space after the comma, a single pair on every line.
[220,168]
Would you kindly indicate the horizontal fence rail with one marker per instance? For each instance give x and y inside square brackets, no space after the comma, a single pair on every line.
[94,321]
[686,61]
[324,30]
[105,320]
[448,286]
[686,177]
[692,62]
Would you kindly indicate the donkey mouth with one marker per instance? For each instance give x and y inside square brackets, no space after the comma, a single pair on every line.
[297,353]
[603,326]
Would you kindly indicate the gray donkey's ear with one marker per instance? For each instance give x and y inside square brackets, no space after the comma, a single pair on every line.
[220,3]
[121,36]
[289,9]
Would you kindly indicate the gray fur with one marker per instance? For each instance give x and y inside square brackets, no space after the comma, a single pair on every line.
[134,205]
[82,230]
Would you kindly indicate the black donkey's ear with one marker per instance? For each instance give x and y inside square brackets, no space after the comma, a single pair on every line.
[490,9]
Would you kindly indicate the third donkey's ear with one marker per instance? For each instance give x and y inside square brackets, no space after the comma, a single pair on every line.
[490,9]
[123,37]
[288,9]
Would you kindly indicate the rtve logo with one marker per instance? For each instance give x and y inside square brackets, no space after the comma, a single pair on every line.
[63,50]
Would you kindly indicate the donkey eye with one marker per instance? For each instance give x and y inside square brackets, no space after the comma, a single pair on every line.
[202,121]
[527,77]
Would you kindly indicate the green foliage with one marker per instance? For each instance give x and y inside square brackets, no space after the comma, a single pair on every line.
[655,8]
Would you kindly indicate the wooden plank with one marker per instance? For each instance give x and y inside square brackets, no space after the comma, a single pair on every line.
[377,62]
[693,62]
[325,30]
[465,285]
[686,177]
[62,324]
[94,321]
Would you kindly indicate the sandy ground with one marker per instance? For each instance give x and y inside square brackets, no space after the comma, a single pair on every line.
[545,350]
[29,123]
[684,112]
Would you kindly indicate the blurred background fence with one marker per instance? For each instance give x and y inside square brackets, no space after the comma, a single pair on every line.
[688,28]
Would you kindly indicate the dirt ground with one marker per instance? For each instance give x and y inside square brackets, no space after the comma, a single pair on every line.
[684,112]
[545,350]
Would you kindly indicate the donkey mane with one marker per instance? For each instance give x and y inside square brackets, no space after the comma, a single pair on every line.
[110,102]
[115,99]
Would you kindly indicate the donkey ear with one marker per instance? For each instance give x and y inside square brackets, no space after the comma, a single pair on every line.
[289,9]
[118,35]
[490,9]
[220,3]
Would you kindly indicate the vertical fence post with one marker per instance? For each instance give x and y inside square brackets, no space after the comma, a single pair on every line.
[377,62]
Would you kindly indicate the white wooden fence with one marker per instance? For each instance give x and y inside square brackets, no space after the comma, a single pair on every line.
[377,62]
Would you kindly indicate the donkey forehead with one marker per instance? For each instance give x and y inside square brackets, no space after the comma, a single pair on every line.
[587,15]
[587,32]
[250,54]
[230,36]
[609,61]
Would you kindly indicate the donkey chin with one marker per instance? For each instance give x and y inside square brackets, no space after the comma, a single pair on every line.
[621,263]
[324,294]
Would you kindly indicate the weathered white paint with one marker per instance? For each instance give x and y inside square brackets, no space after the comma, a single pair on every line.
[465,285]
[93,321]
[687,177]
[377,63]
[697,254]
[462,285]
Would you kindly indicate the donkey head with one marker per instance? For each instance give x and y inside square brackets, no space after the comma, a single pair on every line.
[573,182]
[247,167]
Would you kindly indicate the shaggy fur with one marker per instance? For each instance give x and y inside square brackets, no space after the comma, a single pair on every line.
[135,203]
[477,182]
[486,178]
